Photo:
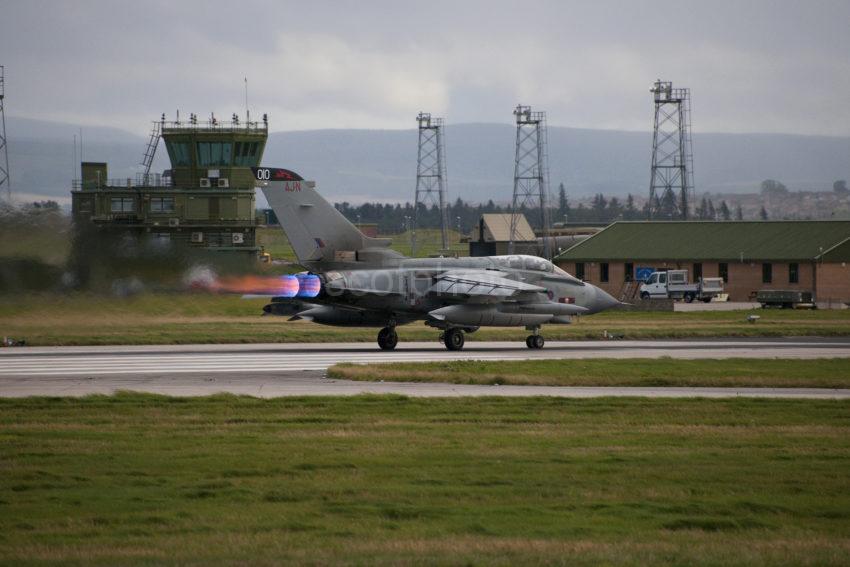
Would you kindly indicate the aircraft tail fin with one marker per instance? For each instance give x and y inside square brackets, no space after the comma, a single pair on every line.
[317,231]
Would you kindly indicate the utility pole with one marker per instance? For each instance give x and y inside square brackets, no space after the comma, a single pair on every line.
[430,175]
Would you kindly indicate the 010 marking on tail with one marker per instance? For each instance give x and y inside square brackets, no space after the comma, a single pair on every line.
[275,174]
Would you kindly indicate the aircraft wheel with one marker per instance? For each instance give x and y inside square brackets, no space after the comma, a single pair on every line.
[528,341]
[454,339]
[535,342]
[387,338]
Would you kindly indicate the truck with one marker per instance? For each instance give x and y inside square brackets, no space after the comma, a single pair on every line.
[784,298]
[673,284]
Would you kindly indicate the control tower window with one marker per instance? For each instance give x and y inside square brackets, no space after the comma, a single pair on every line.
[214,153]
[245,154]
[179,153]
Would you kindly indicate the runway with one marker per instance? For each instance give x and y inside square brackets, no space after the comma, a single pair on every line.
[298,369]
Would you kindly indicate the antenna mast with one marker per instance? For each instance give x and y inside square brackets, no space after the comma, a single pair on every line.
[4,149]
[531,173]
[430,175]
[671,186]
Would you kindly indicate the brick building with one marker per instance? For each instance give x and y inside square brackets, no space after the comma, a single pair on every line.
[749,255]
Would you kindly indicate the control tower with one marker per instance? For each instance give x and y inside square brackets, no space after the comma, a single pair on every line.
[204,202]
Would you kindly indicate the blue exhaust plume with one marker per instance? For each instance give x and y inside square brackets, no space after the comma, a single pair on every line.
[290,286]
[309,285]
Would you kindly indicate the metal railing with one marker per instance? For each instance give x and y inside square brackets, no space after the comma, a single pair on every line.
[213,124]
[140,180]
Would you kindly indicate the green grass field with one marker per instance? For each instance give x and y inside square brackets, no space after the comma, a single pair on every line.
[139,479]
[733,372]
[78,319]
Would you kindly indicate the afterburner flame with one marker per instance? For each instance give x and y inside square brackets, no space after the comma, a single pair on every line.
[309,285]
[278,286]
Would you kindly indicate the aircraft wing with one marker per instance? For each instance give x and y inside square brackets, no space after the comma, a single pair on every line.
[481,285]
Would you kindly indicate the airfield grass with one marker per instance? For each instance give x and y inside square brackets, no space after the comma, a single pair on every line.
[733,372]
[81,319]
[140,479]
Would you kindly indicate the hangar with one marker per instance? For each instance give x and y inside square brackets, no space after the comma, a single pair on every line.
[749,256]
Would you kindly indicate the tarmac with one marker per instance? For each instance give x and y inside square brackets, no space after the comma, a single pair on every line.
[299,369]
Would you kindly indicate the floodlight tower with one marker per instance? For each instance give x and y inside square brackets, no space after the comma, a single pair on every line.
[531,172]
[5,180]
[672,179]
[430,175]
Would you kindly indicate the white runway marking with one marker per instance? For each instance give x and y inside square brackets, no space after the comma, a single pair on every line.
[297,369]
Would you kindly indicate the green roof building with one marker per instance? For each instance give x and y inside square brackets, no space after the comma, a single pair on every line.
[748,255]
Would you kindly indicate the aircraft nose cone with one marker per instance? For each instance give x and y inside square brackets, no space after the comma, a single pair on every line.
[602,301]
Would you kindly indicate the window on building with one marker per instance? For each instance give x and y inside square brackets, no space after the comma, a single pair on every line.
[214,153]
[766,273]
[793,272]
[162,204]
[629,272]
[85,205]
[246,153]
[123,205]
[723,269]
[580,270]
[603,272]
[697,271]
[179,153]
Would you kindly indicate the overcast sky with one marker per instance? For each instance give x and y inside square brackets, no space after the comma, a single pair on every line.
[752,66]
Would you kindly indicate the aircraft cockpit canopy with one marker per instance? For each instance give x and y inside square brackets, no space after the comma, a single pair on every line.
[523,262]
[532,263]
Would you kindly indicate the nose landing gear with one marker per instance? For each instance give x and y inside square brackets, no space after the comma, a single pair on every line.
[453,339]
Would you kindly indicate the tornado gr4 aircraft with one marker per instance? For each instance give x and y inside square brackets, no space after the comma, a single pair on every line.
[358,281]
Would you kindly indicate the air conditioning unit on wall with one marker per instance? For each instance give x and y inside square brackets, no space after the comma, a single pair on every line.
[238,238]
[205,182]
[222,182]
[197,237]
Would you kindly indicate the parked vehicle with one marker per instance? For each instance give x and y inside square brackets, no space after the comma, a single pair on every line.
[785,298]
[673,284]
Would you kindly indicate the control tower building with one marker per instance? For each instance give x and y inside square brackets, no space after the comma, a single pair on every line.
[203,203]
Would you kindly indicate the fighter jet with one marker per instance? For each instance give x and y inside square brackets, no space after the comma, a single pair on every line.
[358,281]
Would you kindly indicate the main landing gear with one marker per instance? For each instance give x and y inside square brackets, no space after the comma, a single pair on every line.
[534,341]
[453,338]
[387,338]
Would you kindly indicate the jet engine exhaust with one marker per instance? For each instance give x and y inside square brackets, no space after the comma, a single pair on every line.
[288,286]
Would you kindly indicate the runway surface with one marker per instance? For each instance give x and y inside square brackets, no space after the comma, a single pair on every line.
[298,369]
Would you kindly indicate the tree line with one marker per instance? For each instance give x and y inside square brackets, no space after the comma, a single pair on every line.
[394,218]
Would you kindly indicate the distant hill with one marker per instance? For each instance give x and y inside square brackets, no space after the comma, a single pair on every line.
[380,165]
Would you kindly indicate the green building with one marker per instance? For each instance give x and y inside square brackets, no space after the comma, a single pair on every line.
[203,203]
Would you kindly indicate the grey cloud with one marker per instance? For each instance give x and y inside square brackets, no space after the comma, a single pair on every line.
[766,66]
